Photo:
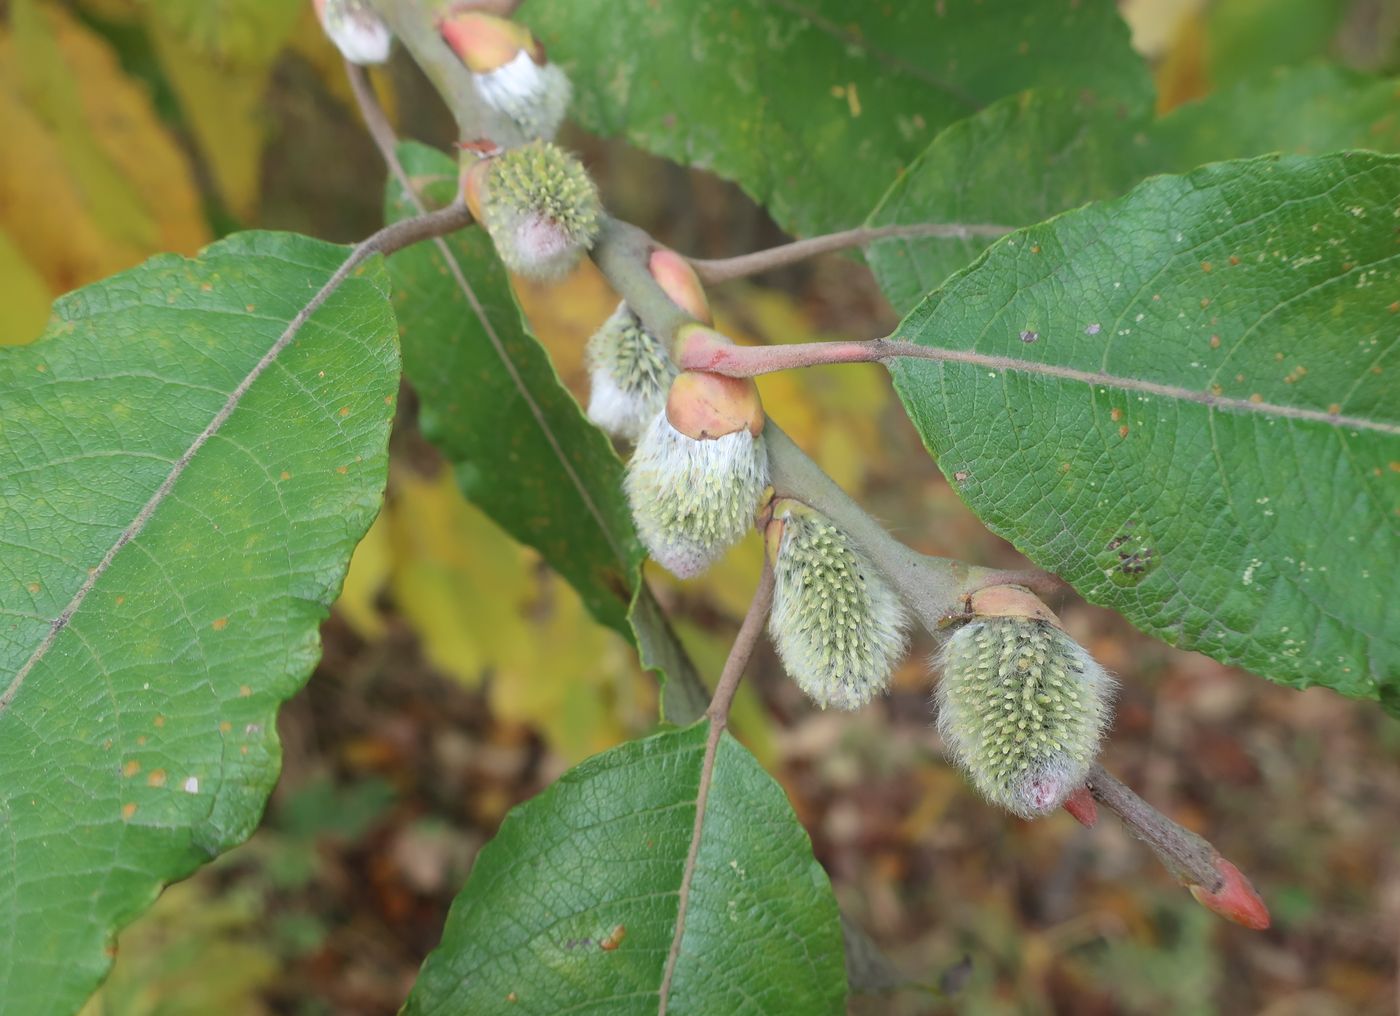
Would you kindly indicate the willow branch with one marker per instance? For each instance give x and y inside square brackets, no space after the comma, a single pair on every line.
[380,129]
[414,23]
[1190,859]
[723,269]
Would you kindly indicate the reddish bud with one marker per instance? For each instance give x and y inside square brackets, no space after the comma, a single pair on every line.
[1235,900]
[485,43]
[707,406]
[679,281]
[1012,601]
[1082,806]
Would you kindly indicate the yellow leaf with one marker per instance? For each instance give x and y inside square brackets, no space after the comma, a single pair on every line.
[133,176]
[24,298]
[249,33]
[484,606]
[370,566]
[564,315]
[455,577]
[222,105]
[90,180]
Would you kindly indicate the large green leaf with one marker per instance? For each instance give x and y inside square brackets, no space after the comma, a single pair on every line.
[1034,155]
[521,447]
[815,108]
[572,907]
[143,665]
[1078,423]
[1305,110]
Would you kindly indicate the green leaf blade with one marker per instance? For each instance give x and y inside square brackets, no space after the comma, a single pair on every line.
[140,740]
[1030,156]
[814,108]
[1251,532]
[573,906]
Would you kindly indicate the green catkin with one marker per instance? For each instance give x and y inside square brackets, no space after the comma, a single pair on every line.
[541,209]
[838,626]
[1022,708]
[692,499]
[629,373]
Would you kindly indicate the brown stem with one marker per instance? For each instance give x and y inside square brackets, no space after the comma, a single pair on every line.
[723,269]
[703,352]
[1215,883]
[380,130]
[718,716]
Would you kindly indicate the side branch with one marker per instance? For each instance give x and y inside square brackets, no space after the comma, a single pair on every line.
[703,353]
[1192,860]
[724,269]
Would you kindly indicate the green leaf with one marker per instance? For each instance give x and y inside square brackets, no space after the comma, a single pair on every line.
[572,907]
[814,108]
[1018,161]
[1247,37]
[1034,155]
[520,446]
[1305,110]
[1257,530]
[144,663]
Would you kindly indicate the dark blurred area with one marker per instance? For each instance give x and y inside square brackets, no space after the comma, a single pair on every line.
[460,677]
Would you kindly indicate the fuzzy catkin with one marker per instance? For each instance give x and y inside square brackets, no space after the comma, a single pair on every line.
[838,626]
[533,98]
[629,375]
[356,29]
[1022,708]
[692,499]
[541,209]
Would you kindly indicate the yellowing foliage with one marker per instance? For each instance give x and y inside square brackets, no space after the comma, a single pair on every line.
[488,611]
[90,180]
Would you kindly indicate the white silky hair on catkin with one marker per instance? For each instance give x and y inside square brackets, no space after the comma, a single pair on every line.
[693,499]
[838,626]
[533,97]
[357,31]
[1022,709]
[629,375]
[536,246]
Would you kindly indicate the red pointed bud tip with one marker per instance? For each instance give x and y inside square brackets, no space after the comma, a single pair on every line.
[1011,601]
[1235,900]
[705,406]
[679,281]
[486,43]
[1083,807]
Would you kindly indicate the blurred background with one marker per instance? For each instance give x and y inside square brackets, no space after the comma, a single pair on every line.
[461,676]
